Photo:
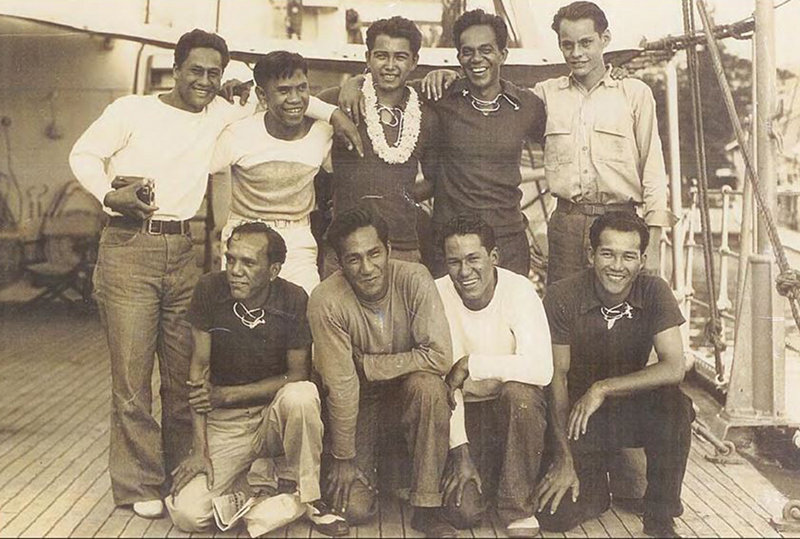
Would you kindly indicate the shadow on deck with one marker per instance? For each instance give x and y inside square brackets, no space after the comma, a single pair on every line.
[54,398]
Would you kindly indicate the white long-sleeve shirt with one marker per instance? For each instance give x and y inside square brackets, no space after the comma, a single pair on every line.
[506,341]
[143,136]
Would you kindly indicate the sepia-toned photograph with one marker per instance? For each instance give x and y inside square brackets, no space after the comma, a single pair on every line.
[399,268]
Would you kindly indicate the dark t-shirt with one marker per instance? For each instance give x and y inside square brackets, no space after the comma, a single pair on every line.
[479,155]
[387,188]
[597,352]
[240,355]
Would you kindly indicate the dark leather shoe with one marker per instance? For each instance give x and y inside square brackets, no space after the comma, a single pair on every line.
[430,522]
[659,526]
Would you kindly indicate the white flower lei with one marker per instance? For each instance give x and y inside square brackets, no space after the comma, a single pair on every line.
[409,127]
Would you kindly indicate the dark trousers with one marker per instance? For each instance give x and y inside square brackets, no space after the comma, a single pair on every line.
[514,250]
[658,420]
[506,440]
[414,410]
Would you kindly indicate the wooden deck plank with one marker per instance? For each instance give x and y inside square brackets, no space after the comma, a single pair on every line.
[372,528]
[64,526]
[37,418]
[613,525]
[696,524]
[485,528]
[137,526]
[24,488]
[159,527]
[32,459]
[96,517]
[593,528]
[727,491]
[116,523]
[61,502]
[715,498]
[631,522]
[706,512]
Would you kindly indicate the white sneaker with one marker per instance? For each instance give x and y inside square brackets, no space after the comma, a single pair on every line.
[524,527]
[149,509]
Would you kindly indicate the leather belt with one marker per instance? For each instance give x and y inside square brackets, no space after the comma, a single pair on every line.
[151,226]
[592,208]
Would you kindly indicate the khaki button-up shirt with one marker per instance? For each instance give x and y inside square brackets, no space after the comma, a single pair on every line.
[602,145]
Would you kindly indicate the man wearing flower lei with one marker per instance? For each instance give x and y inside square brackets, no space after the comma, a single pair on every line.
[397,132]
[482,123]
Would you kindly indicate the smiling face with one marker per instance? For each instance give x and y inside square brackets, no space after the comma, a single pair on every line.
[582,47]
[248,268]
[198,79]
[617,261]
[481,58]
[472,269]
[364,260]
[390,61]
[286,99]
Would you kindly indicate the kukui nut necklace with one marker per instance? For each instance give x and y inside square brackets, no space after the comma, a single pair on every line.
[250,318]
[612,314]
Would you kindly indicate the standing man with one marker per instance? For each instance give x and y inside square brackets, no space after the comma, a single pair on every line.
[604,323]
[249,375]
[500,335]
[382,347]
[274,158]
[602,149]
[397,130]
[146,270]
[482,122]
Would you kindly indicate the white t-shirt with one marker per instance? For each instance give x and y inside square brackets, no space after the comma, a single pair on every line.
[143,136]
[507,341]
[272,178]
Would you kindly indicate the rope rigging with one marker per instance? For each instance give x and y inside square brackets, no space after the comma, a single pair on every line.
[713,329]
[787,281]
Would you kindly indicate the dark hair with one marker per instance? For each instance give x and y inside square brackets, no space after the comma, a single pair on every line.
[478,17]
[462,225]
[581,10]
[348,222]
[278,65]
[395,27]
[623,221]
[200,39]
[276,246]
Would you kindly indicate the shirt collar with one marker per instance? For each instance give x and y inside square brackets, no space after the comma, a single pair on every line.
[567,80]
[589,299]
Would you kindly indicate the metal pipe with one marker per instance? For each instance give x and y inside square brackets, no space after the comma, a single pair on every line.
[765,97]
[724,302]
[671,73]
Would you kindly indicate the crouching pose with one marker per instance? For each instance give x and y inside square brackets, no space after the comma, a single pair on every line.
[382,347]
[250,394]
[604,322]
[500,335]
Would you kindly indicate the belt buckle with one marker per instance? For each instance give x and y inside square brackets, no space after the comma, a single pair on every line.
[154,227]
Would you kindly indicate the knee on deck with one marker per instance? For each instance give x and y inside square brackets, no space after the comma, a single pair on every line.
[189,511]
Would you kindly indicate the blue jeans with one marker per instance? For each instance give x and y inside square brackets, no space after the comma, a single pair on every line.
[143,285]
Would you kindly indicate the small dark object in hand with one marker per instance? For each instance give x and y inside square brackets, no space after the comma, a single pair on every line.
[145,194]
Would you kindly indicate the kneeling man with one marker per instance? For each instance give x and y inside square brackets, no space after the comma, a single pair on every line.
[250,393]
[382,347]
[604,322]
[499,332]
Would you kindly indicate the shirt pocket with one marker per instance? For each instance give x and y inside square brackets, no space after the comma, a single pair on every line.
[611,141]
[559,142]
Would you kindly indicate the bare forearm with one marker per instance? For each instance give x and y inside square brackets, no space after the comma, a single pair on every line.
[558,415]
[261,392]
[653,376]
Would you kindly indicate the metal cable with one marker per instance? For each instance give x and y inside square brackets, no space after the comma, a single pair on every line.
[713,329]
[758,190]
